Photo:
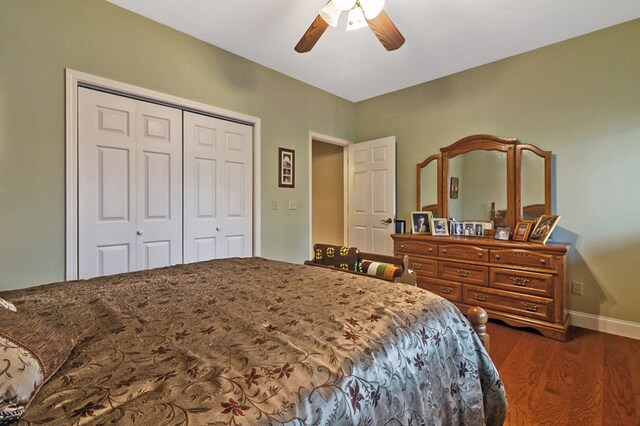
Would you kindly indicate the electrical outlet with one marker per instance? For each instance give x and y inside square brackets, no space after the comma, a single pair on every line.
[577,288]
[293,204]
[274,204]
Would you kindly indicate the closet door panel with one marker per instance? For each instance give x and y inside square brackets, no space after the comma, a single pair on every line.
[106,184]
[159,185]
[218,191]
[202,157]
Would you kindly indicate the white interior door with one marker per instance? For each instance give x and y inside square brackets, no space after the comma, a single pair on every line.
[129,185]
[372,195]
[218,219]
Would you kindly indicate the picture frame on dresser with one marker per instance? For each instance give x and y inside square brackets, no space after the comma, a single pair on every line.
[522,230]
[543,229]
[502,233]
[439,227]
[421,222]
[458,228]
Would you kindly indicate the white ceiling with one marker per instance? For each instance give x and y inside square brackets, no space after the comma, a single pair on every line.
[443,36]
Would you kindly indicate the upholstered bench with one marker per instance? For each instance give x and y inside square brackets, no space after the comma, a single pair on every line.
[350,259]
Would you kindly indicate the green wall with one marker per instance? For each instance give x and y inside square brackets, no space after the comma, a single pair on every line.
[581,100]
[39,39]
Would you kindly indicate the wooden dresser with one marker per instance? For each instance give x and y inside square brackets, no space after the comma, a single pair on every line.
[522,284]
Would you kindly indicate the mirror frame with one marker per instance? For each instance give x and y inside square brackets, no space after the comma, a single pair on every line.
[546,156]
[513,149]
[435,208]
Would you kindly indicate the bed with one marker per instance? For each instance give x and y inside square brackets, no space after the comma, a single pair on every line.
[255,341]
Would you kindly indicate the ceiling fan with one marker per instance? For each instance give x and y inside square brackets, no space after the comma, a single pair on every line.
[360,14]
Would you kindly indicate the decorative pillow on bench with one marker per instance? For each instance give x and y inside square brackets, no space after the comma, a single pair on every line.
[337,256]
[383,270]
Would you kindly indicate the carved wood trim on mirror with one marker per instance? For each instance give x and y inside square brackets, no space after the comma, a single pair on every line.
[500,179]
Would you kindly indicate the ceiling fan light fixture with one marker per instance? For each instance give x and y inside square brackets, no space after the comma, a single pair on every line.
[331,14]
[372,8]
[356,19]
[344,5]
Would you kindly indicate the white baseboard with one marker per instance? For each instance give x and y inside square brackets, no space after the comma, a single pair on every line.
[605,324]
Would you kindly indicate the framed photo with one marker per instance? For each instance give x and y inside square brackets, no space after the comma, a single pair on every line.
[522,231]
[286,168]
[543,229]
[458,228]
[421,222]
[439,227]
[453,187]
[469,229]
[502,233]
[401,226]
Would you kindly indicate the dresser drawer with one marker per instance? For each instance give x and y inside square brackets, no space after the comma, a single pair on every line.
[448,290]
[523,258]
[505,301]
[522,281]
[416,247]
[464,252]
[423,266]
[462,272]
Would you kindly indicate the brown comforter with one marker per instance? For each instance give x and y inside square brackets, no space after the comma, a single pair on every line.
[253,341]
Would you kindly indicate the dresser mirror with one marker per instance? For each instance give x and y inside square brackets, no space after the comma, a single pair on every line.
[534,182]
[482,180]
[429,185]
[497,179]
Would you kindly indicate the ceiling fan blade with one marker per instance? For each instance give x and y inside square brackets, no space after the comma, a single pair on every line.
[313,34]
[386,31]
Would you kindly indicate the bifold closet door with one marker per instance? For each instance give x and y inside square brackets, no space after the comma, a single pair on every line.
[129,184]
[218,188]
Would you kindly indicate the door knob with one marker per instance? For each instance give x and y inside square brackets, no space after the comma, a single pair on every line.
[218,228]
[139,232]
[386,222]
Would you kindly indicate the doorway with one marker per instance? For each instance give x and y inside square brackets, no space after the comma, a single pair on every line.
[327,192]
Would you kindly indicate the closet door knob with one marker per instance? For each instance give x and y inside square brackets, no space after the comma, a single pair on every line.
[140,232]
[218,228]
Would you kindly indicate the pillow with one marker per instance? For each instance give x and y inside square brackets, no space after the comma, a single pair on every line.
[337,256]
[31,351]
[8,305]
[383,270]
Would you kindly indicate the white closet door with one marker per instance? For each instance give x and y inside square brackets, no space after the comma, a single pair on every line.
[218,220]
[159,185]
[129,183]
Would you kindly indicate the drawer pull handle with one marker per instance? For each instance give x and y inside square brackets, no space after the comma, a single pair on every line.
[531,307]
[480,297]
[479,254]
[462,273]
[543,262]
[497,257]
[416,266]
[522,282]
[430,250]
[401,246]
[444,251]
[446,290]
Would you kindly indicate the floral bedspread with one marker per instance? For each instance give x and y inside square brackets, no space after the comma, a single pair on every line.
[254,341]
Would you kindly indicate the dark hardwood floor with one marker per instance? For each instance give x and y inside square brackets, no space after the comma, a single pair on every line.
[592,379]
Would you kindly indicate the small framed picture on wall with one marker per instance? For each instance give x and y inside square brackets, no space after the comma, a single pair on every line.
[286,168]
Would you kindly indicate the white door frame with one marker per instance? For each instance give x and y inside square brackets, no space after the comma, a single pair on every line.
[74,79]
[334,141]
